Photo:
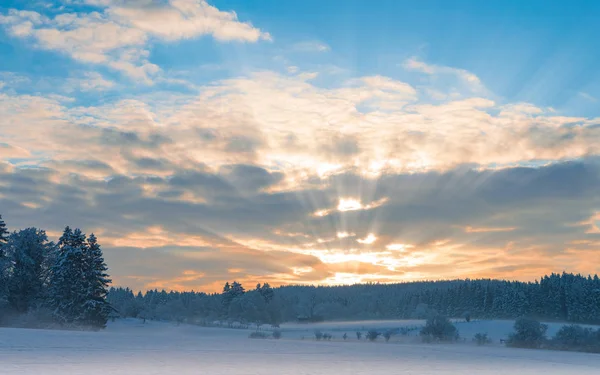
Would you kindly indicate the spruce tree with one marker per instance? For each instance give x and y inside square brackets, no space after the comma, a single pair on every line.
[4,264]
[96,308]
[3,236]
[28,252]
[68,290]
[265,291]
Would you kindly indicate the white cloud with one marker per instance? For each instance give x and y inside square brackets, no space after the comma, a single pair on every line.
[370,239]
[119,35]
[301,129]
[311,46]
[91,81]
[184,19]
[398,247]
[587,96]
[467,77]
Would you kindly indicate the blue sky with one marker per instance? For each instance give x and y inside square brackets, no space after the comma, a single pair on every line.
[313,141]
[542,52]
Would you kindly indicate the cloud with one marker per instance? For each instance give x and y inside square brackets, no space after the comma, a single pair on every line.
[120,33]
[91,81]
[470,229]
[468,78]
[418,232]
[184,19]
[587,96]
[286,122]
[311,46]
[188,190]
[370,239]
[8,151]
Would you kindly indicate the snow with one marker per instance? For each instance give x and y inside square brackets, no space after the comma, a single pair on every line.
[132,348]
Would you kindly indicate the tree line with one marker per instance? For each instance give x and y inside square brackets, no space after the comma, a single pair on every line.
[234,305]
[556,297]
[45,284]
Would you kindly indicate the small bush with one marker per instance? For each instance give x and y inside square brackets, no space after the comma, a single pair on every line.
[327,336]
[529,333]
[258,335]
[372,335]
[318,335]
[576,338]
[358,335]
[387,335]
[277,334]
[467,316]
[482,339]
[439,328]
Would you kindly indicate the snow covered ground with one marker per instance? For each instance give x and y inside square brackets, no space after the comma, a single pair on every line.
[131,348]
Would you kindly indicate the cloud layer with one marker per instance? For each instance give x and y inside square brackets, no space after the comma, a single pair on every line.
[119,32]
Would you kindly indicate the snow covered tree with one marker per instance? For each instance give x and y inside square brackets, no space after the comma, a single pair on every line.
[28,253]
[230,292]
[265,291]
[439,327]
[96,308]
[4,265]
[68,292]
[529,333]
[3,234]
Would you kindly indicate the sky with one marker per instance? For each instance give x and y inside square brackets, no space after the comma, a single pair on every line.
[307,142]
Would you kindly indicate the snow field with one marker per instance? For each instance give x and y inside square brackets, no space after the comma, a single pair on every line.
[130,348]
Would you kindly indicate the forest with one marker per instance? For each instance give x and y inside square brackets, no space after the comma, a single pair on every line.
[557,297]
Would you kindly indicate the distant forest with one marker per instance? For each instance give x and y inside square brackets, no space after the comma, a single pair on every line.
[557,297]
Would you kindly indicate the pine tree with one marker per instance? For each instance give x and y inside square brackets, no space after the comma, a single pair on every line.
[28,252]
[68,289]
[4,264]
[96,309]
[3,236]
[265,291]
[230,292]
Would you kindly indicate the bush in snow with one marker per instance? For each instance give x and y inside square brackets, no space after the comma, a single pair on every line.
[318,335]
[387,335]
[439,328]
[576,338]
[258,335]
[372,335]
[467,316]
[529,333]
[481,339]
[277,334]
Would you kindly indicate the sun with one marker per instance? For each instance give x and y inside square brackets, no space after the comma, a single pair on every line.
[349,204]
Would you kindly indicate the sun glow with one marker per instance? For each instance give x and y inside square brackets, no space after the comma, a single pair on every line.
[398,247]
[349,204]
[345,234]
[327,169]
[370,239]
